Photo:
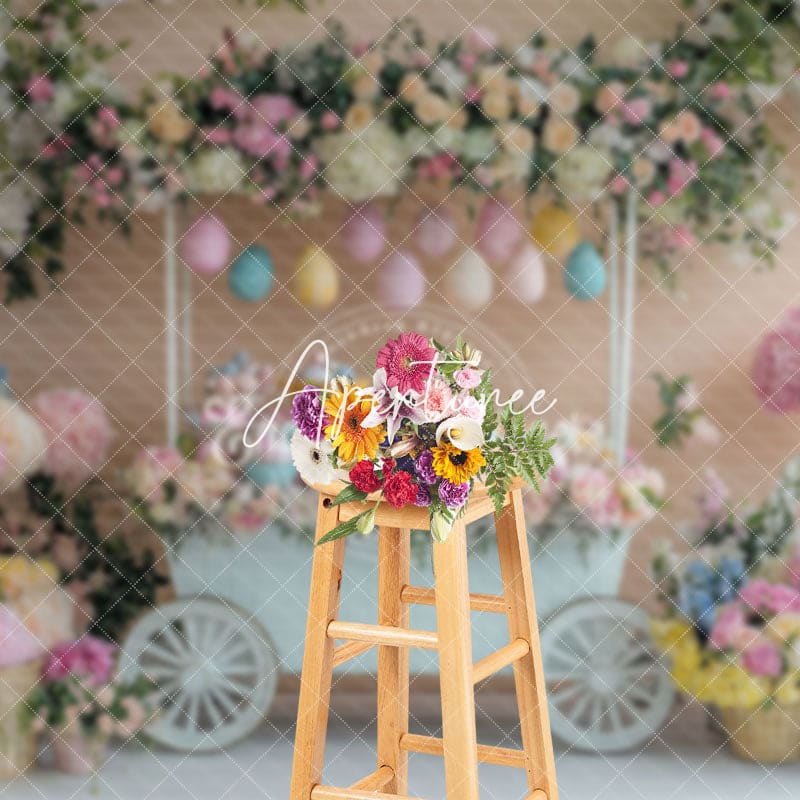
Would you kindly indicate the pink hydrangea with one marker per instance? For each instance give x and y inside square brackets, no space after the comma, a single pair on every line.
[771,598]
[776,369]
[79,431]
[728,625]
[89,659]
[763,659]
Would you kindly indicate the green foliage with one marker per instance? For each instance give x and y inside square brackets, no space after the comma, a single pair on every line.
[123,581]
[516,452]
[677,421]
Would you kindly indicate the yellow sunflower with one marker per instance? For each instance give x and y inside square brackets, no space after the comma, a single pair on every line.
[457,466]
[346,411]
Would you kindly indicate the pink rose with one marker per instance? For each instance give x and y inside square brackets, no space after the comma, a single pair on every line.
[681,174]
[90,659]
[721,91]
[682,238]
[467,61]
[222,99]
[636,111]
[330,121]
[480,40]
[619,184]
[657,198]
[274,108]
[308,167]
[468,378]
[678,68]
[763,659]
[39,88]
[217,135]
[714,143]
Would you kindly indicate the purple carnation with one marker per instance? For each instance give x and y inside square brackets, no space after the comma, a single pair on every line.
[453,495]
[423,466]
[423,497]
[307,411]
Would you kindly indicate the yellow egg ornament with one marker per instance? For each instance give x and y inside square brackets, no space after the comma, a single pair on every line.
[555,231]
[316,280]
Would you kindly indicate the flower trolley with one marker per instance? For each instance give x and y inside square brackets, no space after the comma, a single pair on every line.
[238,622]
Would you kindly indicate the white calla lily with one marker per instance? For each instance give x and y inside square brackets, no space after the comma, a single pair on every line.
[462,432]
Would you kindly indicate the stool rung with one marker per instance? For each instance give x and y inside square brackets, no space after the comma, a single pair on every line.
[347,652]
[431,745]
[418,595]
[512,652]
[333,793]
[382,634]
[375,781]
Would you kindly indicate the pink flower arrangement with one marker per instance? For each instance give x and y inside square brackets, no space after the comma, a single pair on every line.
[770,598]
[89,659]
[79,431]
[776,369]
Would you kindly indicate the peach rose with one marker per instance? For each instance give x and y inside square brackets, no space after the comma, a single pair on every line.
[643,171]
[365,87]
[689,127]
[610,96]
[496,105]
[167,122]
[412,87]
[559,135]
[517,138]
[564,99]
[431,108]
[358,116]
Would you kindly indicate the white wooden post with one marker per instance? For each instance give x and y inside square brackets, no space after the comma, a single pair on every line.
[171,320]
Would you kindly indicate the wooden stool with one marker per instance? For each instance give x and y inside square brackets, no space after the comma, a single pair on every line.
[392,636]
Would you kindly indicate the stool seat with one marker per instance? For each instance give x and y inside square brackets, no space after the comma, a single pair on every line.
[393,637]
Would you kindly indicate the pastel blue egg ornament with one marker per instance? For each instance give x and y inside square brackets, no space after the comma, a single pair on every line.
[585,273]
[251,274]
[263,473]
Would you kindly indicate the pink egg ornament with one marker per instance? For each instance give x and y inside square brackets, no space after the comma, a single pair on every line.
[435,233]
[364,234]
[527,277]
[401,282]
[498,232]
[776,368]
[206,246]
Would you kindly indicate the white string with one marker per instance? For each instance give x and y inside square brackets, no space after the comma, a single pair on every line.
[171,314]
[626,332]
[614,330]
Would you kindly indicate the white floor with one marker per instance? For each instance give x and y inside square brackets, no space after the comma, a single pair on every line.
[688,763]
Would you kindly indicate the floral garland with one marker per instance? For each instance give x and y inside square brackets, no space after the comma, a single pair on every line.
[364,120]
[421,435]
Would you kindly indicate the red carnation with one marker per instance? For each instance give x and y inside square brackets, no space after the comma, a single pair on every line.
[388,467]
[364,478]
[399,489]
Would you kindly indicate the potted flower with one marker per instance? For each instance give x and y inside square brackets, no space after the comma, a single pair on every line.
[729,623]
[82,707]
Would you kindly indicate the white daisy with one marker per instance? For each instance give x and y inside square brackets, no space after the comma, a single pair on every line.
[313,463]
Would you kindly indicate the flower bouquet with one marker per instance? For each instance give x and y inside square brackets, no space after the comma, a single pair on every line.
[422,434]
[82,706]
[587,493]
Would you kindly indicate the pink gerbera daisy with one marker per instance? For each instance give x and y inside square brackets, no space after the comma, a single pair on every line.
[408,361]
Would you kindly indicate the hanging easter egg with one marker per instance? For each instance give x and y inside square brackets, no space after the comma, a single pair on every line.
[527,277]
[206,246]
[555,230]
[364,234]
[470,282]
[401,283]
[264,473]
[250,276]
[316,280]
[498,232]
[435,233]
[585,273]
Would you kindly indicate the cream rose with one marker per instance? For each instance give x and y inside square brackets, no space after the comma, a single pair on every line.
[432,108]
[496,105]
[517,138]
[610,96]
[358,116]
[564,99]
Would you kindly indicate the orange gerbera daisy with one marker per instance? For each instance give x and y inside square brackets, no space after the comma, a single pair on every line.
[346,411]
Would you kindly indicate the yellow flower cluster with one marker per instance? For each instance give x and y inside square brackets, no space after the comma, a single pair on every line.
[712,677]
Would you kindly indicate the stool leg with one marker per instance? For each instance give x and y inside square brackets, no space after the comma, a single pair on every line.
[515,568]
[455,665]
[394,551]
[315,682]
